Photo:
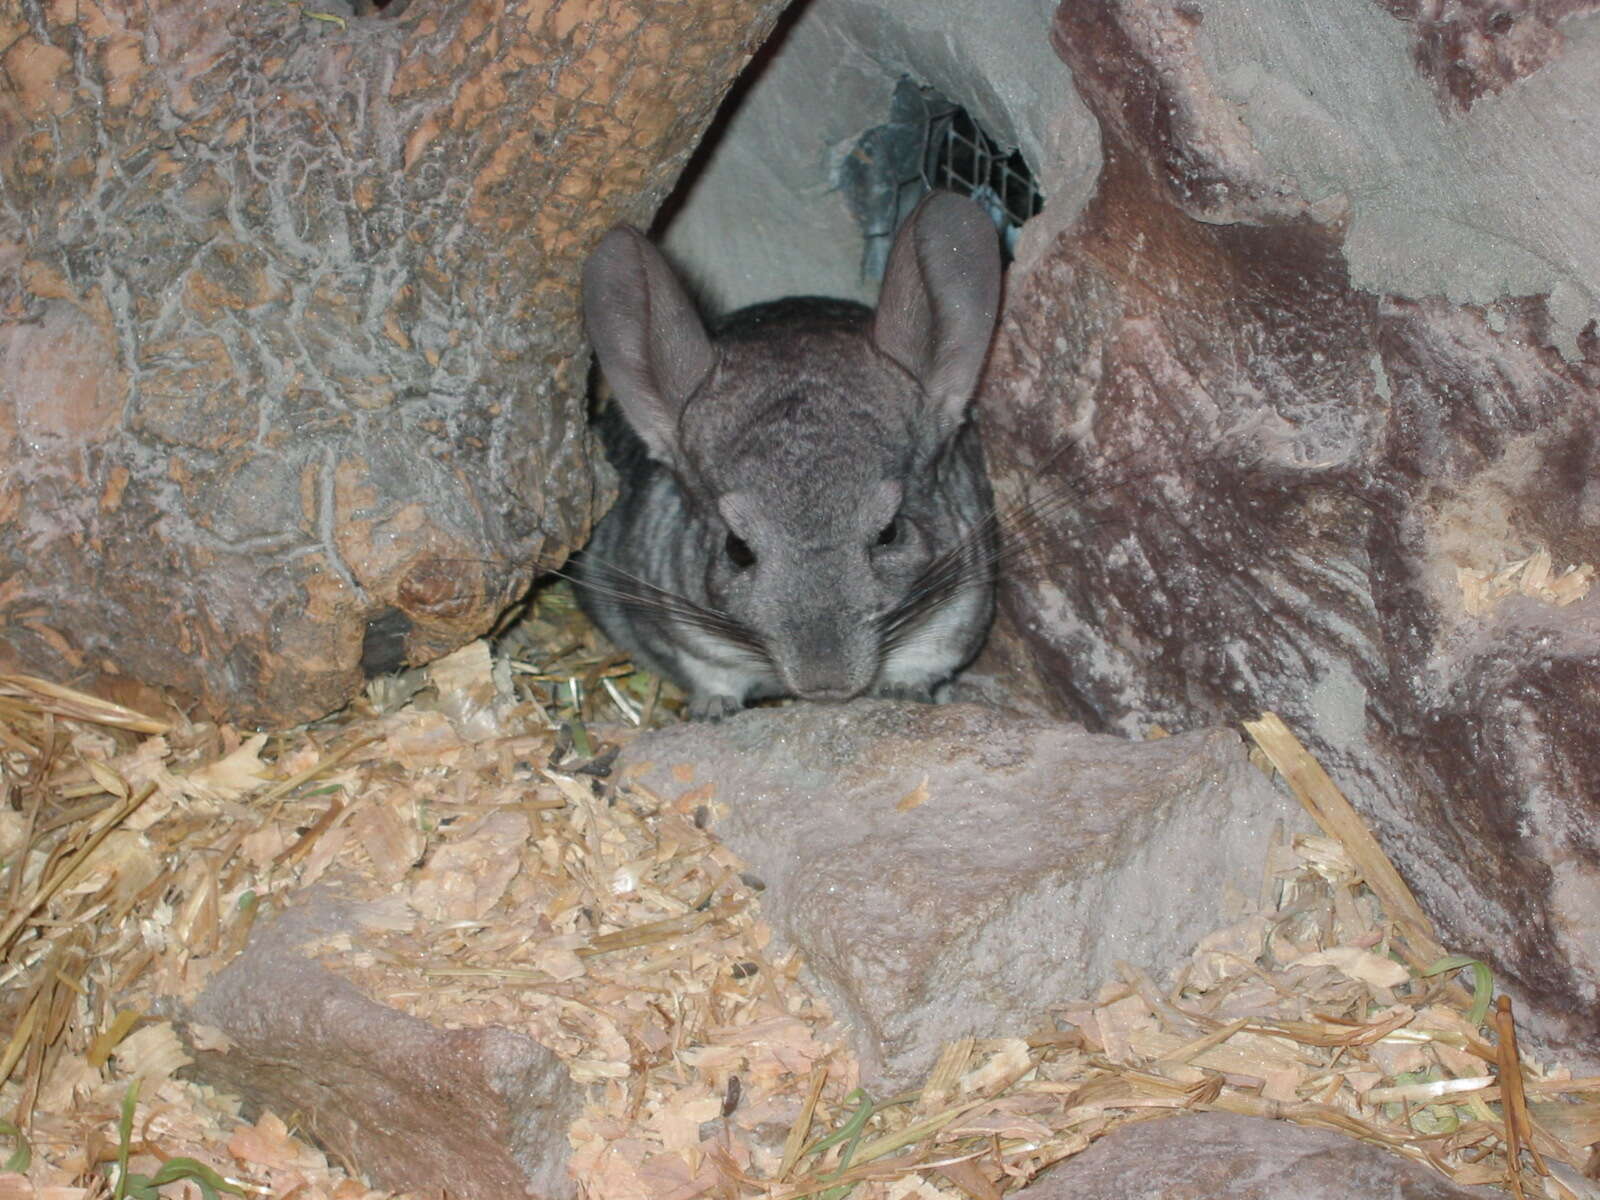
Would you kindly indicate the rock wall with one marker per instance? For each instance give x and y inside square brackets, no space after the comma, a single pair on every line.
[1276,469]
[764,215]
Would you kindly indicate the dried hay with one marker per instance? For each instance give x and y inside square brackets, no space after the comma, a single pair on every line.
[608,924]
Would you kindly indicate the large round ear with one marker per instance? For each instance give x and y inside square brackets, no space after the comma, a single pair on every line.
[649,339]
[936,311]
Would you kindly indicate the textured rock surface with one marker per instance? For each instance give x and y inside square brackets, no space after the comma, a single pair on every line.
[289,343]
[1224,1157]
[1281,474]
[478,1113]
[953,870]
[1451,132]
[1348,105]
[1474,48]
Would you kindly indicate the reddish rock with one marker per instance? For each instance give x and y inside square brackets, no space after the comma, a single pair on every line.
[290,352]
[951,870]
[479,1114]
[1474,48]
[1259,484]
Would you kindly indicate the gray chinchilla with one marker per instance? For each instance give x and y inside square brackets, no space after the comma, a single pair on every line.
[804,509]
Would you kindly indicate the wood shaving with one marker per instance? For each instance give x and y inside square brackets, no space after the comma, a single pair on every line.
[1534,575]
[507,886]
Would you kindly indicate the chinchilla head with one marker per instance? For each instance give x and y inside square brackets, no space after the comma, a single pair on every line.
[811,440]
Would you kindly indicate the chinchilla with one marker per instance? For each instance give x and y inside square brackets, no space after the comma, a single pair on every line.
[804,509]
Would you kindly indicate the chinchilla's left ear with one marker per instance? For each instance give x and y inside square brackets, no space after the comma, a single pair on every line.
[936,311]
[651,344]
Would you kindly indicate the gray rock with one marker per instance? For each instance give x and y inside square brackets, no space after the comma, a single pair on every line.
[1449,131]
[480,1114]
[1220,1156]
[955,870]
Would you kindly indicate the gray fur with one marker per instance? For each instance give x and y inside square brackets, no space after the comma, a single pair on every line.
[805,429]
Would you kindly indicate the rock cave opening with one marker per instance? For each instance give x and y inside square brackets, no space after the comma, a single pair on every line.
[846,119]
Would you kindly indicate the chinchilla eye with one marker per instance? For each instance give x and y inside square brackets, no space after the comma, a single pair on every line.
[889,533]
[739,552]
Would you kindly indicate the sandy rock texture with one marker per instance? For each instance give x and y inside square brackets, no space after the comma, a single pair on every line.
[953,870]
[1225,1157]
[1260,473]
[291,372]
[479,1112]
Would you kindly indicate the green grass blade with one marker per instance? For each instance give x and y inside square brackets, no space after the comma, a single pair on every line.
[1482,983]
[130,1100]
[22,1156]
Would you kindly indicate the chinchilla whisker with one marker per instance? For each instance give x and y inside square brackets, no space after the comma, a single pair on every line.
[718,627]
[636,595]
[1067,480]
[639,595]
[964,566]
[950,570]
[644,598]
[990,546]
[1073,491]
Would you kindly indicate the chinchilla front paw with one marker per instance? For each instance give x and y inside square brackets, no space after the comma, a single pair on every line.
[713,708]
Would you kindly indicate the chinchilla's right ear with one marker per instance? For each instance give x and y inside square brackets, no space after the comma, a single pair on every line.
[936,311]
[650,341]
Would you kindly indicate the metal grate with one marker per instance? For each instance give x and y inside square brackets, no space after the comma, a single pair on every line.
[961,157]
[930,142]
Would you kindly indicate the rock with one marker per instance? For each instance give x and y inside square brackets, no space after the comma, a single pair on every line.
[301,396]
[478,1113]
[952,870]
[1261,480]
[1477,48]
[1221,1156]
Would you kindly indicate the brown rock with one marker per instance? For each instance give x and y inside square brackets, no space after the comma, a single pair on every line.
[952,870]
[288,322]
[477,1113]
[1272,479]
[1220,1156]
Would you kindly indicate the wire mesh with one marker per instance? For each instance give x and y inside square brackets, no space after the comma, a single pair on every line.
[930,142]
[960,157]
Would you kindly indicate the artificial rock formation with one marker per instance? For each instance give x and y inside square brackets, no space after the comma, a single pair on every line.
[290,359]
[478,1112]
[958,870]
[1255,483]
[765,214]
[1227,1157]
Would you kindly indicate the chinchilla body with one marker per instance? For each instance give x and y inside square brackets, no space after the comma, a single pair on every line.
[804,509]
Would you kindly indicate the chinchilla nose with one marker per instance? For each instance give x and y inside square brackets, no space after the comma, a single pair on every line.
[829,667]
[826,648]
